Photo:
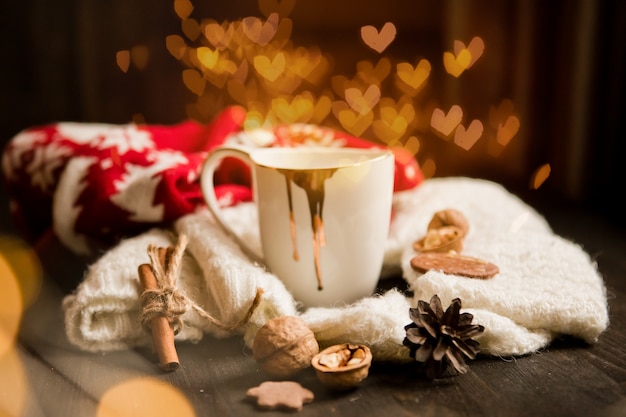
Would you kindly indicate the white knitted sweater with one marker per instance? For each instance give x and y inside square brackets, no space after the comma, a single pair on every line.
[547,286]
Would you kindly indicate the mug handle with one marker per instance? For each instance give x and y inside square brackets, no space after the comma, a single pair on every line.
[207,174]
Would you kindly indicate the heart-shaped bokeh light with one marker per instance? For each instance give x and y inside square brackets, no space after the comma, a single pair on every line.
[270,68]
[363,102]
[458,62]
[466,138]
[350,120]
[378,40]
[475,49]
[446,123]
[258,31]
[413,77]
[373,74]
[395,119]
[254,61]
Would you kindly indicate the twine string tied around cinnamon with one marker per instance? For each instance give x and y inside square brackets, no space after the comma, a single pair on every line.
[168,301]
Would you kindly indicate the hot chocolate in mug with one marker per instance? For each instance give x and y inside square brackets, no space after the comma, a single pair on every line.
[324,216]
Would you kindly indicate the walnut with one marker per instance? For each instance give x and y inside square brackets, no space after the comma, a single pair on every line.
[343,366]
[449,217]
[445,233]
[284,346]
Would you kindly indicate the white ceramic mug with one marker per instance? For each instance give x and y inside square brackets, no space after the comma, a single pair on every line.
[324,216]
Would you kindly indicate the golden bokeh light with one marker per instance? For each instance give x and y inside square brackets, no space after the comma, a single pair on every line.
[218,35]
[183,8]
[353,122]
[395,119]
[300,110]
[207,57]
[429,168]
[139,55]
[412,145]
[498,114]
[144,396]
[25,267]
[258,31]
[255,120]
[363,101]
[12,378]
[341,83]
[255,62]
[539,176]
[13,382]
[191,28]
[475,48]
[466,138]
[122,58]
[176,46]
[412,79]
[445,123]
[504,121]
[371,73]
[463,57]
[270,68]
[507,130]
[456,63]
[378,40]
[11,307]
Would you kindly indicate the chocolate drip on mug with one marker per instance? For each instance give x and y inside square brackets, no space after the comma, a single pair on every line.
[292,221]
[312,182]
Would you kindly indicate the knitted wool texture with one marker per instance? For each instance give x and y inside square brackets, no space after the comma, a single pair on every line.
[547,286]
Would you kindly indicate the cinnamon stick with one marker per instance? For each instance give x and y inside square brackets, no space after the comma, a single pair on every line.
[162,332]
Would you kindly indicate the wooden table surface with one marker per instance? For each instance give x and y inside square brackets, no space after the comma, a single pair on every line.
[568,378]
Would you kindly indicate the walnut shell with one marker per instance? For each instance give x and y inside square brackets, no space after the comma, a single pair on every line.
[343,366]
[284,346]
[443,239]
[449,217]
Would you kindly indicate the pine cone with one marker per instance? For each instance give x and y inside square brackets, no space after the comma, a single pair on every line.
[438,339]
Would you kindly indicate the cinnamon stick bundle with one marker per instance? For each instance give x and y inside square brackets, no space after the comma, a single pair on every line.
[162,332]
[163,305]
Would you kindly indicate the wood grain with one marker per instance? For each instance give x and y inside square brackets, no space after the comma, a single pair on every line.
[569,378]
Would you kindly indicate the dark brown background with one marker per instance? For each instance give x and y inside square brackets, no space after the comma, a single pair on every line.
[560,61]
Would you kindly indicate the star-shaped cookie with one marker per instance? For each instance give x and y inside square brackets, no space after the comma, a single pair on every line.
[289,395]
